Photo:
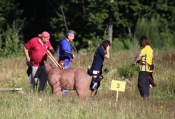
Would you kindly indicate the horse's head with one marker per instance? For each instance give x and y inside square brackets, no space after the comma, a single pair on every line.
[47,66]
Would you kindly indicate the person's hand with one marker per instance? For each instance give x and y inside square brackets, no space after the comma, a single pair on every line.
[107,48]
[134,63]
[28,63]
[52,51]
[73,56]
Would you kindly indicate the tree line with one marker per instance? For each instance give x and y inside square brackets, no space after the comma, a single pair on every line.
[93,21]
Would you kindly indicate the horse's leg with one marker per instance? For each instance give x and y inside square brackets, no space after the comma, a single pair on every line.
[58,93]
[82,91]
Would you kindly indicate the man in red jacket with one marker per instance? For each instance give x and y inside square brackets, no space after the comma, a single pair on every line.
[35,53]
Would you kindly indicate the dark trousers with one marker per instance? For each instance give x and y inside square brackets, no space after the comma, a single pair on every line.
[143,83]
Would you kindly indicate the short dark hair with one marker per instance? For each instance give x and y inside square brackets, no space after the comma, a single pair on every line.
[105,43]
[69,32]
[144,41]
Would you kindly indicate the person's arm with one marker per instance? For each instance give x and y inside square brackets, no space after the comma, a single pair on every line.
[73,56]
[107,52]
[26,53]
[66,53]
[51,50]
[138,57]
[64,47]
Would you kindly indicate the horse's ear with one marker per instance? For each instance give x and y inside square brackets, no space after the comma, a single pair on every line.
[47,66]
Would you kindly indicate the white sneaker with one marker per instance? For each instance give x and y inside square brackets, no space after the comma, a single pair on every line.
[65,92]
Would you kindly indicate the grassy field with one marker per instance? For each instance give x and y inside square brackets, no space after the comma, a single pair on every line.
[26,105]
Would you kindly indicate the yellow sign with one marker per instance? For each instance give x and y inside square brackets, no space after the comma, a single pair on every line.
[118,85]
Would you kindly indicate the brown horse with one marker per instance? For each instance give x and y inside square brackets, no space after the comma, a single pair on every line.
[72,78]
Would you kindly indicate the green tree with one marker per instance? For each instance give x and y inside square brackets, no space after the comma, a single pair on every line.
[88,17]
[11,25]
[9,12]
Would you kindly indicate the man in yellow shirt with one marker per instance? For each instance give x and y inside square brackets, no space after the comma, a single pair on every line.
[146,60]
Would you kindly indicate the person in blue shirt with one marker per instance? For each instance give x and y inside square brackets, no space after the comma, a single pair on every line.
[101,53]
[65,52]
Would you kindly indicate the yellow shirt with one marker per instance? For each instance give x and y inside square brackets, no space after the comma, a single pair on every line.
[147,58]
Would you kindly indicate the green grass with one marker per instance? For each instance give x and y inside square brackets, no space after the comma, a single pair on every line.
[15,105]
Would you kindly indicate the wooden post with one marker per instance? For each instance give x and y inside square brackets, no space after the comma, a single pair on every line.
[117,96]
[11,89]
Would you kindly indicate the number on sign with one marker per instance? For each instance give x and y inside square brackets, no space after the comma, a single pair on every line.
[118,85]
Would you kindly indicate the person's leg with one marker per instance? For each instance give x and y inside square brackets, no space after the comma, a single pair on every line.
[94,92]
[95,84]
[147,83]
[34,79]
[42,79]
[143,83]
[94,88]
[31,83]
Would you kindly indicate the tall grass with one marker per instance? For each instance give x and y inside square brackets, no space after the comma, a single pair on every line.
[104,106]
